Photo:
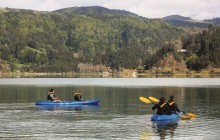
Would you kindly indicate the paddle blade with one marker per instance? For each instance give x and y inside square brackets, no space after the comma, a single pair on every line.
[145,100]
[185,117]
[154,99]
[191,115]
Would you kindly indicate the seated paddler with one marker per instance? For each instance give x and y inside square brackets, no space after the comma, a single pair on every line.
[52,97]
[162,107]
[78,96]
[172,105]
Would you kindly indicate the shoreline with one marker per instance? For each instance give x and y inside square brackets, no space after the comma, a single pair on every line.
[105,75]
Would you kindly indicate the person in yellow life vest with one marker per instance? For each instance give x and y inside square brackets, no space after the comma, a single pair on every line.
[172,105]
[78,96]
[51,96]
[162,107]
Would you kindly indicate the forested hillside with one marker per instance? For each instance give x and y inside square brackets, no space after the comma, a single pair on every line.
[200,51]
[59,41]
[203,49]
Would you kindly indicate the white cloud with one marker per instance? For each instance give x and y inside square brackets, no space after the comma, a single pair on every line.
[197,9]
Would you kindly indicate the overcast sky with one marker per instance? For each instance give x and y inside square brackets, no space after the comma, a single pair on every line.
[196,9]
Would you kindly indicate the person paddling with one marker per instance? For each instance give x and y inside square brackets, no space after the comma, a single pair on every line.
[172,105]
[162,107]
[51,96]
[77,96]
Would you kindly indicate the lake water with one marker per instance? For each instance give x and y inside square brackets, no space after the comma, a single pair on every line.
[120,115]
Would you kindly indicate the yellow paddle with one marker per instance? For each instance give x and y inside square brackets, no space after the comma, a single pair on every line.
[145,100]
[185,117]
[189,114]
[154,99]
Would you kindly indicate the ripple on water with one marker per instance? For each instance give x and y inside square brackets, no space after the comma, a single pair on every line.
[25,121]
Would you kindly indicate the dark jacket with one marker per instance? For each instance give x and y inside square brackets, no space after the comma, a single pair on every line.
[49,96]
[173,106]
[77,97]
[162,108]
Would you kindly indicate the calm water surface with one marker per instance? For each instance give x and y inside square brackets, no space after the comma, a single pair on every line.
[120,115]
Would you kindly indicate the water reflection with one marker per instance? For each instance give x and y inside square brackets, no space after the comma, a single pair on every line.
[162,131]
[166,130]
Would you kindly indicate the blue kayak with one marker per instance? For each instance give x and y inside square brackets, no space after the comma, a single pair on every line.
[173,118]
[67,107]
[85,102]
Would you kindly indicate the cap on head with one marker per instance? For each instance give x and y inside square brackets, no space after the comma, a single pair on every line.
[162,99]
[51,90]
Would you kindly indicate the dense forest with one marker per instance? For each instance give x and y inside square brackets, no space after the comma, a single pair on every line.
[64,40]
[203,49]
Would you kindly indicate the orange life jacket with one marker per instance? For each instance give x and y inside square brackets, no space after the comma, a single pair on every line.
[162,105]
[171,103]
[77,94]
[51,92]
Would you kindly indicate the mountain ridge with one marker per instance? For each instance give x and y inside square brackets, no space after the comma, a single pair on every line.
[178,20]
[102,11]
[175,20]
[177,17]
[96,10]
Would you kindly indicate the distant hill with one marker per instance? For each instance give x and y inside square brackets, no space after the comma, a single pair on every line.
[96,10]
[182,21]
[177,17]
[215,21]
